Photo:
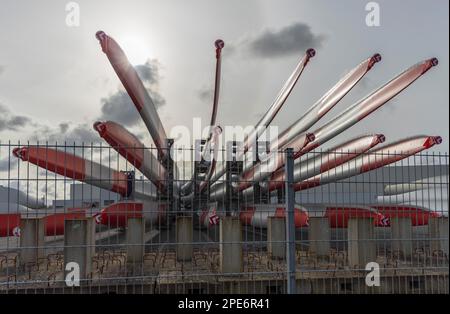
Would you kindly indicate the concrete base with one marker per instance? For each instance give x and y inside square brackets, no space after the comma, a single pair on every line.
[276,237]
[401,233]
[79,236]
[32,240]
[135,240]
[184,235]
[231,245]
[438,230]
[361,243]
[319,236]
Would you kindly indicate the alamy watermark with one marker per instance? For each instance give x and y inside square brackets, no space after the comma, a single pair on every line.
[373,277]
[259,144]
[373,17]
[73,14]
[72,278]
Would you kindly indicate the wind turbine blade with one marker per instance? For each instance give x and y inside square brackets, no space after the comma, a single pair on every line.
[322,162]
[374,159]
[369,104]
[80,169]
[279,101]
[132,149]
[326,102]
[135,88]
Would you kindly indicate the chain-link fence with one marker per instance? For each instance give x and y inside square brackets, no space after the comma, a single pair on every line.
[82,218]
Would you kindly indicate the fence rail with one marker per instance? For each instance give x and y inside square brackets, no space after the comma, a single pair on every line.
[87,218]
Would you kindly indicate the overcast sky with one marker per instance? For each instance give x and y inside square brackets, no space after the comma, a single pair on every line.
[55,81]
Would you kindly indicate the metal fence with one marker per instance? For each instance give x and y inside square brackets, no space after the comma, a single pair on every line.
[82,218]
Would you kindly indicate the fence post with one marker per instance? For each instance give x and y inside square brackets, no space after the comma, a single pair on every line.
[290,221]
[32,240]
[77,245]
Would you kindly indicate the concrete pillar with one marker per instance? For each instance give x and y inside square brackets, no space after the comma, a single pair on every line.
[319,236]
[401,233]
[184,234]
[32,240]
[361,243]
[231,245]
[135,240]
[78,240]
[276,237]
[438,230]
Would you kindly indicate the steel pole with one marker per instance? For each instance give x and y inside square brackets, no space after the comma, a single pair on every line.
[290,221]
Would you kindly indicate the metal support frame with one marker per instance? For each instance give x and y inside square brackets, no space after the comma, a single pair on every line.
[200,169]
[131,184]
[260,195]
[290,221]
[281,195]
[168,196]
[233,167]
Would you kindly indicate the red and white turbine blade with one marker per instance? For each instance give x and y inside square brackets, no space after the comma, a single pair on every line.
[338,215]
[326,102]
[117,214]
[256,215]
[132,149]
[322,162]
[72,166]
[419,215]
[9,225]
[372,160]
[369,104]
[279,100]
[422,184]
[83,170]
[219,44]
[135,88]
[54,223]
[273,162]
[213,145]
[264,122]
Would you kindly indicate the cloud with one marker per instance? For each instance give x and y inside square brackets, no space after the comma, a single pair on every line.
[2,68]
[206,94]
[64,132]
[11,122]
[289,40]
[118,106]
[63,127]
[7,163]
[80,133]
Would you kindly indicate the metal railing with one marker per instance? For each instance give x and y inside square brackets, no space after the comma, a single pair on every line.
[82,218]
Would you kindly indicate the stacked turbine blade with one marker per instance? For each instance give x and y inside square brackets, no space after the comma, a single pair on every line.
[135,88]
[131,148]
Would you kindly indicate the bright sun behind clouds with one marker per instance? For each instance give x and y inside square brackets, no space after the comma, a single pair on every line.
[136,48]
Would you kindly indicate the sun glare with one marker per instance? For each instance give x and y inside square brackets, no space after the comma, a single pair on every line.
[135,48]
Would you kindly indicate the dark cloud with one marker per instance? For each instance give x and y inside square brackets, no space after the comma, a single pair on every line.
[41,133]
[118,107]
[80,133]
[63,127]
[149,72]
[289,40]
[11,122]
[7,164]
[206,94]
